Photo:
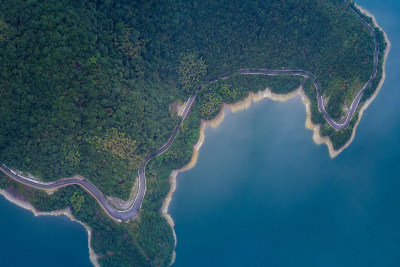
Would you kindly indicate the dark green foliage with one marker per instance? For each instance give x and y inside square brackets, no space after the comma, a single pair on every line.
[77,201]
[237,88]
[191,72]
[63,80]
[309,89]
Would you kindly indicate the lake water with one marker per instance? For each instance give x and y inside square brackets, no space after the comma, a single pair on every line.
[263,194]
[44,241]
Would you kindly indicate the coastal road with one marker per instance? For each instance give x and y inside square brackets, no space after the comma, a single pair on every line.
[119,215]
[133,210]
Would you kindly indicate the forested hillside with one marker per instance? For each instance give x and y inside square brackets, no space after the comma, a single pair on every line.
[86,88]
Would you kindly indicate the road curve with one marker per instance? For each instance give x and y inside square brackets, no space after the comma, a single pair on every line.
[133,210]
[119,215]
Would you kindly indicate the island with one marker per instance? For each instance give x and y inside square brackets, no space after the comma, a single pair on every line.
[104,102]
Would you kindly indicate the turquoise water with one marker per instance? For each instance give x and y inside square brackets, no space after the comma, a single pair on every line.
[44,241]
[263,194]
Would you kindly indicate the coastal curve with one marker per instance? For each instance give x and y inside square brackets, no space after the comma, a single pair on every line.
[133,210]
[252,98]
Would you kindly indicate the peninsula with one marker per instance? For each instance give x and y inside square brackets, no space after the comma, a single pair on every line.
[95,101]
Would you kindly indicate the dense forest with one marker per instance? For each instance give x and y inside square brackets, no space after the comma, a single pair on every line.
[87,87]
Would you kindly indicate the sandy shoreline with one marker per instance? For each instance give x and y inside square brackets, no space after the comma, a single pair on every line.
[241,105]
[26,205]
[255,97]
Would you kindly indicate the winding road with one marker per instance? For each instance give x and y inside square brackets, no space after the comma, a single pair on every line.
[133,210]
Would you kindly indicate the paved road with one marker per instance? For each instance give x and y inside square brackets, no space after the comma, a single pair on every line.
[119,215]
[133,210]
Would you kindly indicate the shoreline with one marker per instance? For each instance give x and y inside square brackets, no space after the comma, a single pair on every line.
[320,140]
[66,212]
[234,107]
[255,97]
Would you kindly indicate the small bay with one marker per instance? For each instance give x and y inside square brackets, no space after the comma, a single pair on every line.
[44,241]
[263,194]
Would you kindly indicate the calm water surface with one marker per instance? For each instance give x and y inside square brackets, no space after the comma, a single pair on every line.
[263,194]
[44,241]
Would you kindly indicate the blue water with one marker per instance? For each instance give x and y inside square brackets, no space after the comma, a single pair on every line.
[44,241]
[263,194]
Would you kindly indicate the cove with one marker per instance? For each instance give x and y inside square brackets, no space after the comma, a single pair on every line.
[263,194]
[43,241]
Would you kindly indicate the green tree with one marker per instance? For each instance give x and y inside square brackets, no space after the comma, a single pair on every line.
[211,103]
[4,31]
[120,146]
[76,201]
[191,70]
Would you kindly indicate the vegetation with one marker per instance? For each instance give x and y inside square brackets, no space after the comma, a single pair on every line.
[4,31]
[119,146]
[191,72]
[86,85]
[77,201]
